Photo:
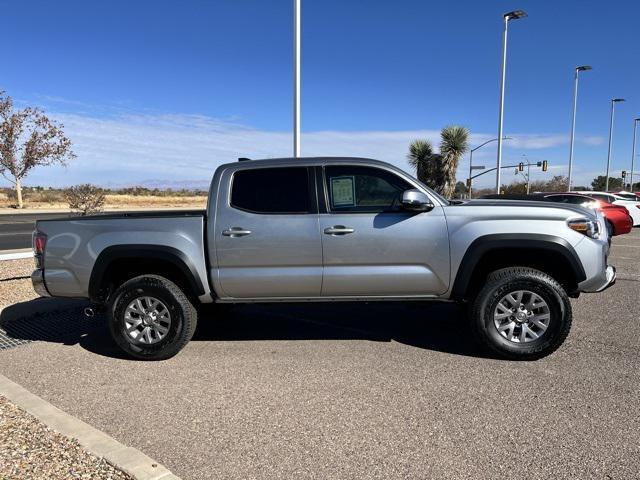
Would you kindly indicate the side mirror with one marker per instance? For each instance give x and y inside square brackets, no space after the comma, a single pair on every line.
[416,201]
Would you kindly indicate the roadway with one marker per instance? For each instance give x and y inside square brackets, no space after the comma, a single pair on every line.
[16,228]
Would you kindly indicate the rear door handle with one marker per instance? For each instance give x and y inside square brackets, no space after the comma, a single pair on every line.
[234,232]
[338,230]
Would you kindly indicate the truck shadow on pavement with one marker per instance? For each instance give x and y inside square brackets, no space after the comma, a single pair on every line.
[432,326]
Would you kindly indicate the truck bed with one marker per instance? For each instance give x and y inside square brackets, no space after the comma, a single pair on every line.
[76,245]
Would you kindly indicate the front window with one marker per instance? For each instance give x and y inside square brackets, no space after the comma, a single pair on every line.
[363,189]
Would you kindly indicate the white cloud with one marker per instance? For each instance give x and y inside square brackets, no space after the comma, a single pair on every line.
[126,148]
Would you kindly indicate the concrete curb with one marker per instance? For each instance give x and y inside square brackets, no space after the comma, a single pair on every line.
[16,254]
[127,459]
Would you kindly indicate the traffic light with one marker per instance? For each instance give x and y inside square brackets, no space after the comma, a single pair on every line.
[468,182]
[624,174]
[521,167]
[545,165]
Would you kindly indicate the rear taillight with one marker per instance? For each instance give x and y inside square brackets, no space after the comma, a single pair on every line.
[39,242]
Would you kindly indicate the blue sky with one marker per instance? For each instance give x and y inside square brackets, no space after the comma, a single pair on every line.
[165,91]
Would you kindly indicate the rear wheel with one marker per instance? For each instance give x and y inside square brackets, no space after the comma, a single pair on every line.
[150,318]
[521,314]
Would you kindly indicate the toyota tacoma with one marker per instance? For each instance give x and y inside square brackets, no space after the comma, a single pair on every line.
[329,229]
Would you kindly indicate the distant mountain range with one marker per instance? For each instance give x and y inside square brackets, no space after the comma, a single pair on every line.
[161,184]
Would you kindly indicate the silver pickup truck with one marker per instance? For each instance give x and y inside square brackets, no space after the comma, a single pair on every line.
[329,229]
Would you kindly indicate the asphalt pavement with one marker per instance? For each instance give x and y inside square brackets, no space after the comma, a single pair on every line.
[16,228]
[347,390]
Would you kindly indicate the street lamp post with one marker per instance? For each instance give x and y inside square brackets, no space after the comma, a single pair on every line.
[296,78]
[514,15]
[633,150]
[581,68]
[471,158]
[613,103]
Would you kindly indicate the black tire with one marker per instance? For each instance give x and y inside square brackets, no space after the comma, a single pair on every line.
[183,315]
[499,284]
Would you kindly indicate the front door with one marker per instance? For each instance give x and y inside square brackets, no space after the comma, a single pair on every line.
[371,246]
[267,236]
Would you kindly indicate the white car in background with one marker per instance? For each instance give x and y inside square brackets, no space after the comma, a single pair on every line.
[628,195]
[632,206]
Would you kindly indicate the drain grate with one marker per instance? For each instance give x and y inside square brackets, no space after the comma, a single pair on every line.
[7,342]
[63,326]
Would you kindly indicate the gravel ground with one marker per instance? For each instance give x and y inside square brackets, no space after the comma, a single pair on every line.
[14,283]
[30,450]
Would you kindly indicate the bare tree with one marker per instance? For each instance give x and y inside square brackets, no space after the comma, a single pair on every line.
[558,183]
[85,199]
[28,139]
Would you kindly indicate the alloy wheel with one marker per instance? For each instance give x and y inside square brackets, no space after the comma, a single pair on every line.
[147,320]
[522,316]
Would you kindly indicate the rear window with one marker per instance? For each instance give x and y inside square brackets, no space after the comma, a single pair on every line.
[573,199]
[271,190]
[604,198]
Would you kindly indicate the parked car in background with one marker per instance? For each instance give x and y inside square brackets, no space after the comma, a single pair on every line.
[617,218]
[628,195]
[633,206]
[329,229]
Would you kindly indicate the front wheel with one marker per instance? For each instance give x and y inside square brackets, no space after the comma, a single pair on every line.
[521,314]
[150,318]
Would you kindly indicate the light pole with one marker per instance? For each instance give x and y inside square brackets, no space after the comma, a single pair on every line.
[573,119]
[613,103]
[296,78]
[633,150]
[515,15]
[471,158]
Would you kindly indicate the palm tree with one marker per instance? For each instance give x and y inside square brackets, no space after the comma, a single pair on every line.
[454,144]
[438,171]
[421,158]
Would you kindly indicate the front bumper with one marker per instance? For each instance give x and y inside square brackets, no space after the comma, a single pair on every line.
[605,278]
[610,278]
[37,280]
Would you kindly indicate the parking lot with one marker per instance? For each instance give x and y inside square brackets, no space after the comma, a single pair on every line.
[379,390]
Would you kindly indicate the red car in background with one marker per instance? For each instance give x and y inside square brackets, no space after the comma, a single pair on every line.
[616,216]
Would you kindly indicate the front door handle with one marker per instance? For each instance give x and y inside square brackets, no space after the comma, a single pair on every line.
[338,230]
[234,232]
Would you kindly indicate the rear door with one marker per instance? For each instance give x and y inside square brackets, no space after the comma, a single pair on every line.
[267,234]
[371,246]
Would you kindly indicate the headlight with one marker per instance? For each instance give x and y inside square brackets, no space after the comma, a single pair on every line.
[587,227]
